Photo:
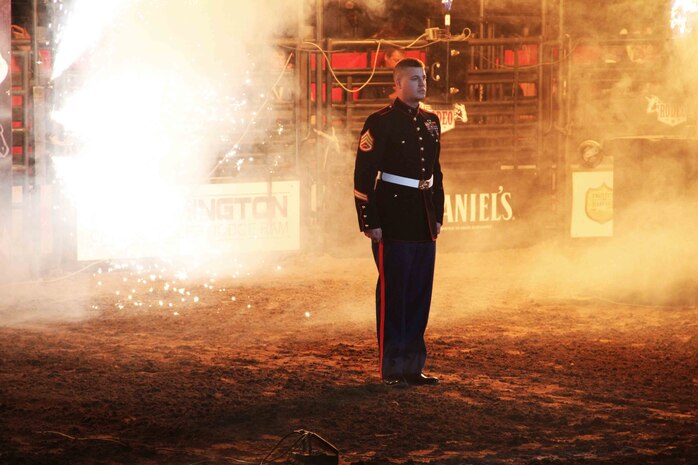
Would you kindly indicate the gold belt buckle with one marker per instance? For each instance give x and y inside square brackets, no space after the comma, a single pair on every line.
[423,185]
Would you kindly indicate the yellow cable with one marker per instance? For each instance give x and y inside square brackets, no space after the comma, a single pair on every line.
[329,66]
[461,37]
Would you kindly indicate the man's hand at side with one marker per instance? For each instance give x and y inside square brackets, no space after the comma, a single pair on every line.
[438,228]
[374,234]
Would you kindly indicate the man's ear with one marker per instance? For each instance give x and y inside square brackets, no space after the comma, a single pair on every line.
[396,77]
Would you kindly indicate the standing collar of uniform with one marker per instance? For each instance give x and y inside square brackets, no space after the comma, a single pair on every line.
[405,107]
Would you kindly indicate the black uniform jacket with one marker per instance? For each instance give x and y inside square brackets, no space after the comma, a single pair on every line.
[402,141]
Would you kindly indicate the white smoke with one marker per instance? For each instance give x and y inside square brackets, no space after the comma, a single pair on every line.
[147,95]
[164,87]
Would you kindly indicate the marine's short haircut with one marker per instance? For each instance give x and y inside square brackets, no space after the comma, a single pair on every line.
[407,63]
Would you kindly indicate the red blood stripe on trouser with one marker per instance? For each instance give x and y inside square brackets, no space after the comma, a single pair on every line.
[381,274]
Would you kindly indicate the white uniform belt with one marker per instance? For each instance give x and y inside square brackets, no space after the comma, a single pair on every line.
[421,184]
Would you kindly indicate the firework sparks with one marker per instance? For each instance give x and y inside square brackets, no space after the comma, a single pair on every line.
[179,290]
[149,117]
[85,25]
[683,16]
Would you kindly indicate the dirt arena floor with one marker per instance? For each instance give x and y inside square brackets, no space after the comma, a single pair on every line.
[533,370]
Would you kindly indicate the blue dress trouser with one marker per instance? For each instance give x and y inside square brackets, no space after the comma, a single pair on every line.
[403,298]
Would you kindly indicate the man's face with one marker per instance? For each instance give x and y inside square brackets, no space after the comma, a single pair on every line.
[411,84]
[392,60]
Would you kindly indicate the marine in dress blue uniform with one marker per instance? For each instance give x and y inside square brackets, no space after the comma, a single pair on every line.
[399,196]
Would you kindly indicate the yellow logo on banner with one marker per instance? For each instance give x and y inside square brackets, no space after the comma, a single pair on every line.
[598,204]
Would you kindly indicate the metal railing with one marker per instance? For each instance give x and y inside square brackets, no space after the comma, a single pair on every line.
[22,135]
[509,102]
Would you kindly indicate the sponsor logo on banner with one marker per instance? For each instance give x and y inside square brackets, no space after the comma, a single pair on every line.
[217,218]
[592,204]
[598,204]
[244,216]
[669,113]
[477,210]
[449,115]
[252,215]
[4,147]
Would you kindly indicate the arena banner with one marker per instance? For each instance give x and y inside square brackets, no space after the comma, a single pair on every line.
[220,219]
[248,217]
[496,206]
[5,126]
[592,204]
[477,209]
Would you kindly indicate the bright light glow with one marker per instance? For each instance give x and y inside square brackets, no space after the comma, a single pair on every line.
[83,29]
[683,16]
[152,94]
[136,154]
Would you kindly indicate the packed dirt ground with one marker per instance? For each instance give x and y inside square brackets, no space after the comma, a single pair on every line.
[97,368]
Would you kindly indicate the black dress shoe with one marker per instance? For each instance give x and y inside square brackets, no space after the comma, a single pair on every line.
[395,382]
[421,379]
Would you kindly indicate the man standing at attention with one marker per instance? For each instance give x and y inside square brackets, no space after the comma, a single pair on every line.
[398,190]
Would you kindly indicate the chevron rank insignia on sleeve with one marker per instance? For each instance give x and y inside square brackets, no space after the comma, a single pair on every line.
[366,142]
